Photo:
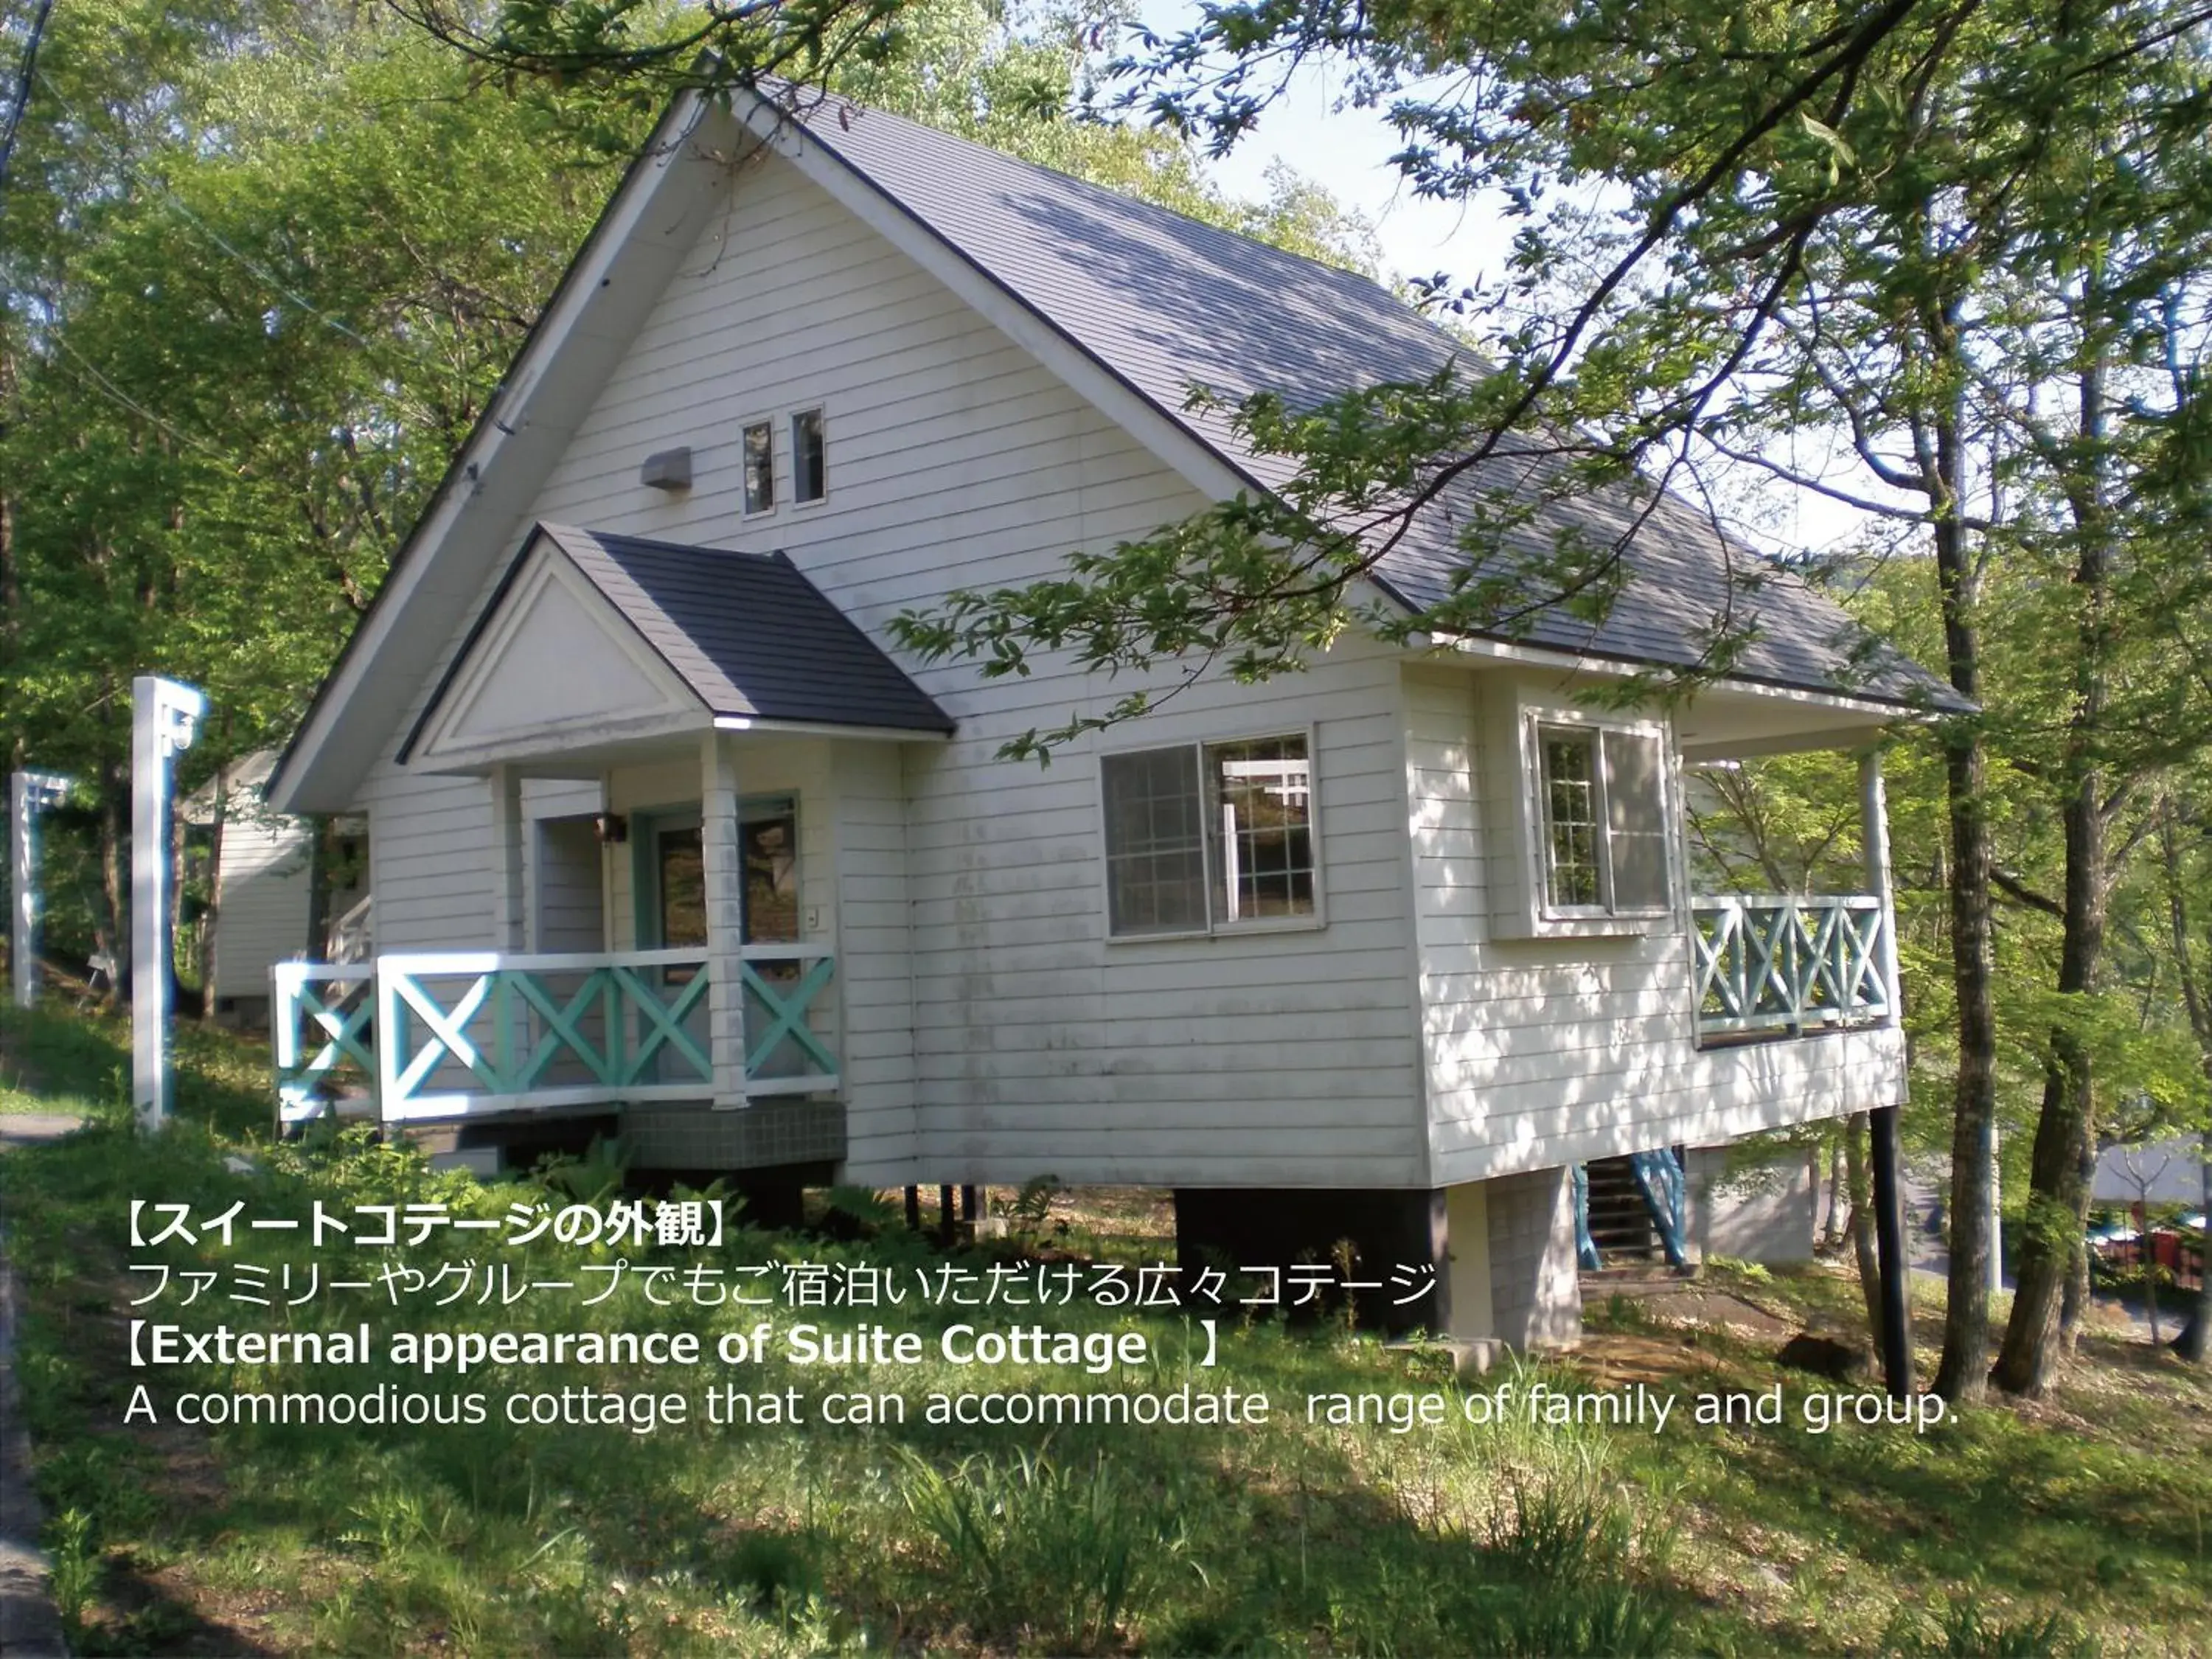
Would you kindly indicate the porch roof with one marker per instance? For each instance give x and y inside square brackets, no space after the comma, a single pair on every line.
[746,633]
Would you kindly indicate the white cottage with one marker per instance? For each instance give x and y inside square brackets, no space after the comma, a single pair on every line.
[1384,951]
[267,908]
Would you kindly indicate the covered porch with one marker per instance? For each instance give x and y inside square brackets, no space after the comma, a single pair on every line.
[1782,964]
[686,754]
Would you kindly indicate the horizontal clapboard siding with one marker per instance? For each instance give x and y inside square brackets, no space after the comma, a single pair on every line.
[990,1031]
[1546,1051]
[263,918]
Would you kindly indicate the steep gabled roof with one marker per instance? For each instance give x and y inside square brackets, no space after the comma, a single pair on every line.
[748,633]
[1162,302]
[1130,303]
[749,641]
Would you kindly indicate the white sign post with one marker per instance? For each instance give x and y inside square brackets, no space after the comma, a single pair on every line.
[164,716]
[29,794]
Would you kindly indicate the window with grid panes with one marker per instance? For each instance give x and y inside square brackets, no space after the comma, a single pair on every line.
[1210,835]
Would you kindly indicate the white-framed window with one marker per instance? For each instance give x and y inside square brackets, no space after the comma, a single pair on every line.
[757,457]
[810,470]
[1203,837]
[1601,820]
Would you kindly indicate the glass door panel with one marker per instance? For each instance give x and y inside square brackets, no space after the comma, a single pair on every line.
[767,838]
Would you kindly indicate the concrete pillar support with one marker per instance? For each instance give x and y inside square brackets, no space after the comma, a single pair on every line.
[1536,1285]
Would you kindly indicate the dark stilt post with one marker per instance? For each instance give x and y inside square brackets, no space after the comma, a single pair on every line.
[1889,1245]
[945,1212]
[913,1209]
[968,1204]
[1888,1187]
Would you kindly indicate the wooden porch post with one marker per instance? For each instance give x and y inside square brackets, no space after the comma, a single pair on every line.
[722,866]
[1888,1187]
[508,921]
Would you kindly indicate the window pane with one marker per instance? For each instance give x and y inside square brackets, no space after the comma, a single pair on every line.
[808,482]
[681,889]
[1155,845]
[1636,819]
[768,843]
[769,840]
[1570,826]
[760,467]
[1262,821]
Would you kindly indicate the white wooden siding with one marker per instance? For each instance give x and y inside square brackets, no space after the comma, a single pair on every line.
[429,850]
[566,885]
[972,888]
[988,1029]
[263,914]
[1542,1051]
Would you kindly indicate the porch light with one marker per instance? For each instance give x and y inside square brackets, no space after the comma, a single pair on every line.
[612,829]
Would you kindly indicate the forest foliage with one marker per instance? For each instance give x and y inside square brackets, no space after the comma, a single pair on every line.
[1944,261]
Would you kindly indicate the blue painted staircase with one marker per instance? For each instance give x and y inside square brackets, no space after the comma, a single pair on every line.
[1631,1209]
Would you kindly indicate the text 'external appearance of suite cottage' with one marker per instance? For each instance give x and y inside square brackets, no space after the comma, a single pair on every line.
[664,830]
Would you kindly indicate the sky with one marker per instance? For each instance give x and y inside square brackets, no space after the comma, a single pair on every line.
[1346,151]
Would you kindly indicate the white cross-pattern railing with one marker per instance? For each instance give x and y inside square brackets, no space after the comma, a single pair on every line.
[1779,966]
[453,1034]
[319,1016]
[352,936]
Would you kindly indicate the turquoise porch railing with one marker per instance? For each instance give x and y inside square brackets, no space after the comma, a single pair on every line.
[1778,967]
[448,1036]
[319,1030]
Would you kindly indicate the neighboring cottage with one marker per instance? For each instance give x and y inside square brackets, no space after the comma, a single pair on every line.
[266,909]
[1385,950]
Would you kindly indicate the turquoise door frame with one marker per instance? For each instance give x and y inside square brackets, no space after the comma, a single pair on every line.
[777,995]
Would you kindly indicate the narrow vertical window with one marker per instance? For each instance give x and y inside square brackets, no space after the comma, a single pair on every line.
[809,481]
[1571,820]
[1637,826]
[1262,819]
[760,467]
[1155,842]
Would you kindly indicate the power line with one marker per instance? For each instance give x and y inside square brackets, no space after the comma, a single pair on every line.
[119,396]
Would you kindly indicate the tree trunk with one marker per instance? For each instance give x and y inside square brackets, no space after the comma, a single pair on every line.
[114,936]
[2073,1301]
[2058,1191]
[11,599]
[210,951]
[2147,1254]
[1962,1373]
[319,853]
[2196,1338]
[177,999]
[1862,1192]
[1839,1194]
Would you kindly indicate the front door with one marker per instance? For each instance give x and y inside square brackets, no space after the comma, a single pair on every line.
[673,915]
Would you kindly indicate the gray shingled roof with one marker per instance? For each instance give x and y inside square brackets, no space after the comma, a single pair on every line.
[1163,302]
[750,636]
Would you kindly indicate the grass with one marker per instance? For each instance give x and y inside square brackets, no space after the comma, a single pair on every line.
[2075,1525]
[55,1060]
